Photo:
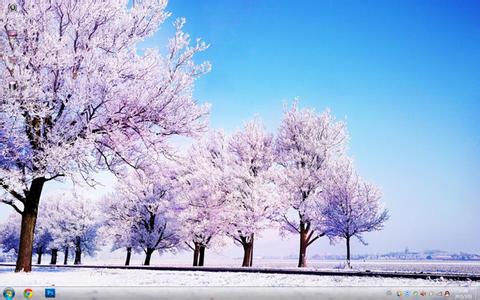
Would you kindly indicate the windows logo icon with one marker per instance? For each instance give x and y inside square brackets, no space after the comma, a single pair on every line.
[8,293]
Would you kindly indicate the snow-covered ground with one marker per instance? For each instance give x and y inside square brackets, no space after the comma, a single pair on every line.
[426,266]
[102,277]
[214,259]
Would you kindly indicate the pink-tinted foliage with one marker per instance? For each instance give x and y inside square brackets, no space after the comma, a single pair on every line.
[86,99]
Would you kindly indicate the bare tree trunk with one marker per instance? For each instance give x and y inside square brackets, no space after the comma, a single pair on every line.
[348,252]
[201,259]
[148,256]
[65,259]
[247,244]
[246,255]
[78,256]
[251,251]
[78,253]
[53,260]
[29,218]
[302,255]
[129,255]
[39,258]
[196,252]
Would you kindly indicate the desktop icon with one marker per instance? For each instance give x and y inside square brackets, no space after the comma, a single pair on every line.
[8,293]
[447,294]
[399,293]
[28,293]
[415,293]
[49,293]
[423,293]
[407,293]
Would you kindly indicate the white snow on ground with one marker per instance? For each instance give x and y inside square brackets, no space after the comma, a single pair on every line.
[215,260]
[427,266]
[122,278]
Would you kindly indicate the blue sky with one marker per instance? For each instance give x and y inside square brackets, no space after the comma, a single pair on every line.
[405,75]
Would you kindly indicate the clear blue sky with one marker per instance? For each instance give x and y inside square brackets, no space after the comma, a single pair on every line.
[406,74]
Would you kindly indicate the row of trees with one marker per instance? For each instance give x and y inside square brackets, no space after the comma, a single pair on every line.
[72,229]
[86,100]
[232,187]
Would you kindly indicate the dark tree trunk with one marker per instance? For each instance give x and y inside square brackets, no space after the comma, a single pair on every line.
[246,255]
[148,256]
[53,260]
[78,253]
[65,259]
[201,259]
[251,251]
[39,258]
[302,255]
[247,251]
[29,218]
[196,252]
[348,251]
[129,255]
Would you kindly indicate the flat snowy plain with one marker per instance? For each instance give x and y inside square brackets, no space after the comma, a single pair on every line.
[426,266]
[113,277]
[97,277]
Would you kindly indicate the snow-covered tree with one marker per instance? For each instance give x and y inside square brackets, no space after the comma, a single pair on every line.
[82,98]
[253,199]
[10,234]
[73,223]
[118,222]
[82,226]
[43,237]
[203,191]
[306,144]
[53,212]
[151,210]
[351,206]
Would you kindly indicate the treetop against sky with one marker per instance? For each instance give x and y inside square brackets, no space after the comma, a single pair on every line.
[404,76]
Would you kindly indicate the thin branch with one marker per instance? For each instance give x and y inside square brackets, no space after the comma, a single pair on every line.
[314,239]
[17,196]
[290,224]
[186,243]
[54,177]
[17,209]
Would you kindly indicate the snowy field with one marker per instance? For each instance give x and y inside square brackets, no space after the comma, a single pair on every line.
[426,266]
[97,277]
[452,267]
[216,259]
[103,277]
